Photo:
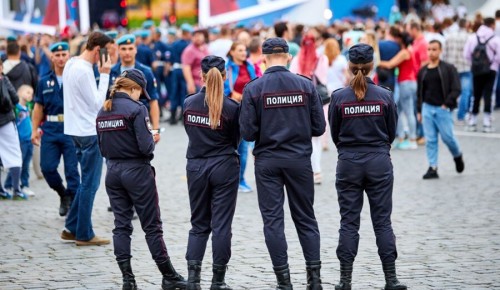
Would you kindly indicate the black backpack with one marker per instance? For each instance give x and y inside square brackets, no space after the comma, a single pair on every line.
[480,60]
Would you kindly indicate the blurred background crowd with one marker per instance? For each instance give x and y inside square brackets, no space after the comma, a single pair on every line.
[319,34]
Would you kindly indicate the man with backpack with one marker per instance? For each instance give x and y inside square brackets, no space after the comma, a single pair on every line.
[483,51]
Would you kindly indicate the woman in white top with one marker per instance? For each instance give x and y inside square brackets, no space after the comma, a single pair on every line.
[308,63]
[337,76]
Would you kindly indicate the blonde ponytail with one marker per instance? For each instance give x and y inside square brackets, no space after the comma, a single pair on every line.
[214,96]
[359,83]
[120,83]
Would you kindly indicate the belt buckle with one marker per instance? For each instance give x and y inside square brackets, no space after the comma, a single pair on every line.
[60,118]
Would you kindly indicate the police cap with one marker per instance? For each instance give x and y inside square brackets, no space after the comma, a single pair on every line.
[111,34]
[139,78]
[361,53]
[274,45]
[126,39]
[212,61]
[59,46]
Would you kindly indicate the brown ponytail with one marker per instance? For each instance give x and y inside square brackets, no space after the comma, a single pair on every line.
[214,97]
[120,83]
[359,84]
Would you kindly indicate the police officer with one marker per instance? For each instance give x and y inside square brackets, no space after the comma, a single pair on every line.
[48,115]
[363,118]
[281,111]
[126,141]
[211,122]
[128,53]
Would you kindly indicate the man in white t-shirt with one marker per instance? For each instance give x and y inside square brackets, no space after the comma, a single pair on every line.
[221,46]
[82,101]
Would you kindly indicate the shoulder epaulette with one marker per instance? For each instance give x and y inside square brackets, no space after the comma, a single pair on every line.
[191,95]
[250,82]
[305,77]
[387,88]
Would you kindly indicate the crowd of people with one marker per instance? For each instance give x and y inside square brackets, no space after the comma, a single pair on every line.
[430,65]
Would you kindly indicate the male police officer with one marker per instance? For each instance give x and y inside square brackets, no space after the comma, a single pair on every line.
[281,112]
[128,51]
[49,109]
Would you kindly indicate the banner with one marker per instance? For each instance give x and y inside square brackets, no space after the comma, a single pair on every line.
[267,12]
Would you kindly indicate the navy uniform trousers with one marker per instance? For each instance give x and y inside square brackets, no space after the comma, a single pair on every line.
[131,183]
[213,188]
[50,155]
[297,177]
[370,172]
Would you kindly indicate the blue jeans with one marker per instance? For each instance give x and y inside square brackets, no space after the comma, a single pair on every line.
[465,96]
[79,219]
[243,151]
[407,93]
[27,152]
[438,120]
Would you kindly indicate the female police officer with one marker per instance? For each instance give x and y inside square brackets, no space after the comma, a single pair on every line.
[363,120]
[211,122]
[126,141]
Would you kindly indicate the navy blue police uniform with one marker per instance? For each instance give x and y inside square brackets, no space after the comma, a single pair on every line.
[126,141]
[212,172]
[55,143]
[145,54]
[159,48]
[363,132]
[281,112]
[116,71]
[178,83]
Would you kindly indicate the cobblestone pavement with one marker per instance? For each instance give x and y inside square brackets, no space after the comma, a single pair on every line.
[448,230]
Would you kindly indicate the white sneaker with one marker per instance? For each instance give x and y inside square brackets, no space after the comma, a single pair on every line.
[28,191]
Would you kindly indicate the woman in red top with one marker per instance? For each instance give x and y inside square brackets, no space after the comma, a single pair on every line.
[407,81]
[239,72]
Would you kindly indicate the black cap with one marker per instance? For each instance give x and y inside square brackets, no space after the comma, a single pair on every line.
[274,45]
[211,61]
[138,77]
[361,53]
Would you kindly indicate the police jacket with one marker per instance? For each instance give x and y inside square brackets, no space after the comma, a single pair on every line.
[124,132]
[203,141]
[50,96]
[363,126]
[8,100]
[281,111]
[450,84]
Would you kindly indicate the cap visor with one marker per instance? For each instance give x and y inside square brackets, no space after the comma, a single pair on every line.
[146,95]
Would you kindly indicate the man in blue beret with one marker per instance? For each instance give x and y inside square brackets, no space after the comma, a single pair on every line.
[159,48]
[144,52]
[127,51]
[48,116]
[178,83]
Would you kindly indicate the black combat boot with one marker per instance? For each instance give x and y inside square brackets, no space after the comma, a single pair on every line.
[194,275]
[313,275]
[63,208]
[345,277]
[173,119]
[218,282]
[283,277]
[391,281]
[171,279]
[128,276]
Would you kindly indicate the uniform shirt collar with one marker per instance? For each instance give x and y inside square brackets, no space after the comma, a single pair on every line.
[275,69]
